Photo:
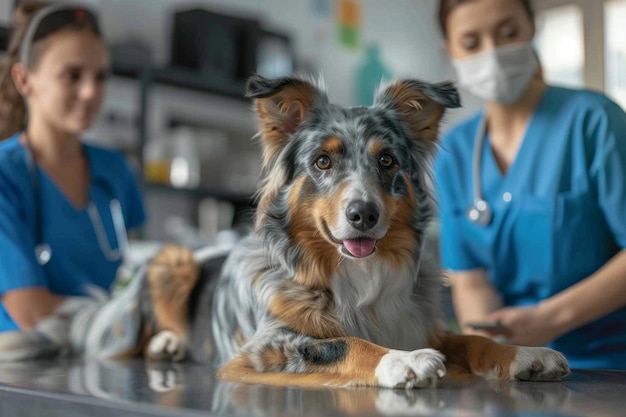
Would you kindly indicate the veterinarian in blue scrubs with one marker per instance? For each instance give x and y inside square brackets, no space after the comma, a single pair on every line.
[65,206]
[533,201]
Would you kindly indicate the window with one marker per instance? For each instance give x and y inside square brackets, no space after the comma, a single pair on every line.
[560,45]
[615,50]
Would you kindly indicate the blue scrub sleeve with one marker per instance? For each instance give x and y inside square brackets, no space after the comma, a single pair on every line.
[134,207]
[18,267]
[608,169]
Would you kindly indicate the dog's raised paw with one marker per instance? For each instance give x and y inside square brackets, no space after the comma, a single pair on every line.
[538,364]
[421,368]
[166,345]
[171,268]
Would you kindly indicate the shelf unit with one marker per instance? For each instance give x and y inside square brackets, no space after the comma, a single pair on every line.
[238,199]
[5,32]
[147,77]
[159,86]
[182,78]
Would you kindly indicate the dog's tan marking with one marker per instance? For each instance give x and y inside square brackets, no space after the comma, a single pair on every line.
[280,115]
[475,355]
[238,338]
[356,369]
[273,359]
[305,310]
[376,146]
[362,360]
[399,244]
[328,207]
[332,145]
[420,112]
[319,256]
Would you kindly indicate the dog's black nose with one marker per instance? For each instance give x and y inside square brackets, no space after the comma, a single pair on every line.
[362,215]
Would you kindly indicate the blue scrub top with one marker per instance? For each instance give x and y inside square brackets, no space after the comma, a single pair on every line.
[77,259]
[559,212]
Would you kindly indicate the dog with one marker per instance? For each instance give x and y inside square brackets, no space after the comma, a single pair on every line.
[331,288]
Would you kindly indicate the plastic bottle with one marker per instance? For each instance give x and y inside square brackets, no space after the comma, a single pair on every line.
[369,75]
[185,165]
[157,161]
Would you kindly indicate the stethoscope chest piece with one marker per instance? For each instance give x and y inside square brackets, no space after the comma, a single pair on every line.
[480,212]
[43,253]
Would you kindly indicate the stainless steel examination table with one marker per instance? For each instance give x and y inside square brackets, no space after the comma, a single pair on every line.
[75,387]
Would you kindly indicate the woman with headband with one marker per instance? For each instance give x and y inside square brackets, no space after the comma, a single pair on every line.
[531,194]
[65,206]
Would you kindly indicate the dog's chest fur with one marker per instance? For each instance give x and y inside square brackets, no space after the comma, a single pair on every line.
[377,303]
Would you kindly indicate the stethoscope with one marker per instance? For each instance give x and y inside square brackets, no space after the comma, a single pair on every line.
[479,212]
[43,251]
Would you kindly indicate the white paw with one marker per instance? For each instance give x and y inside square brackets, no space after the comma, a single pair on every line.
[161,381]
[166,345]
[409,403]
[418,369]
[538,364]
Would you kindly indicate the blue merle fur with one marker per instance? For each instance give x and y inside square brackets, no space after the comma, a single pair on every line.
[269,256]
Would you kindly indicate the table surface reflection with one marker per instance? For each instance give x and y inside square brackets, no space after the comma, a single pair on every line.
[77,387]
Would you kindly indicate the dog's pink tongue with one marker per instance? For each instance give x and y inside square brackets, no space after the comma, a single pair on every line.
[360,247]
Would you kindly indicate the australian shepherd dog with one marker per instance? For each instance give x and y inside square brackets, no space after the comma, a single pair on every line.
[331,288]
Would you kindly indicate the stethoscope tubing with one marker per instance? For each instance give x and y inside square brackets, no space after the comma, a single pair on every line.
[115,209]
[479,212]
[43,251]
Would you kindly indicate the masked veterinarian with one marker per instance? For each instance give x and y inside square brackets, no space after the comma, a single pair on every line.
[531,194]
[65,206]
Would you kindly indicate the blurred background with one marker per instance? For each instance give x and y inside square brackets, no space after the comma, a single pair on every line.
[175,101]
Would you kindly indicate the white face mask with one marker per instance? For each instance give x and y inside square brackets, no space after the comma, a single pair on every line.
[501,75]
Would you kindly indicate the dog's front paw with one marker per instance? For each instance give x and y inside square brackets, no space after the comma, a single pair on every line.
[166,346]
[418,369]
[538,364]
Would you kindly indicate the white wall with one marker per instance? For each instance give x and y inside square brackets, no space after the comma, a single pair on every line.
[405,30]
[6,11]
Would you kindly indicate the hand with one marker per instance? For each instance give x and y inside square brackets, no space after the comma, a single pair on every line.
[525,326]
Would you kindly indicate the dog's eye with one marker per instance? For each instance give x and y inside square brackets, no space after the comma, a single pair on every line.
[386,160]
[323,162]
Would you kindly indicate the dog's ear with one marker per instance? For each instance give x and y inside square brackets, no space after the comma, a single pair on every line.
[281,105]
[421,105]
